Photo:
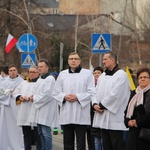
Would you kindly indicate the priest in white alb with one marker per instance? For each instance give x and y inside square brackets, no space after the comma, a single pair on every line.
[74,89]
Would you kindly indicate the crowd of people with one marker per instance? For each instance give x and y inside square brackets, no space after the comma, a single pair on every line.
[97,106]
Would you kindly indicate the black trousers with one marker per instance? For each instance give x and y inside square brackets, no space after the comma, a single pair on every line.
[70,131]
[90,138]
[28,137]
[112,139]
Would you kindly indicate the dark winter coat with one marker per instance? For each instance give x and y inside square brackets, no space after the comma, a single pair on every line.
[142,116]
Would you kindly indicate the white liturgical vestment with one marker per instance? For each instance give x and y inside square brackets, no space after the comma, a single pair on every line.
[46,112]
[82,85]
[25,108]
[11,137]
[113,93]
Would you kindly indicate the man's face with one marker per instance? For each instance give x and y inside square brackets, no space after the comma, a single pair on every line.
[33,73]
[108,62]
[74,61]
[42,68]
[13,72]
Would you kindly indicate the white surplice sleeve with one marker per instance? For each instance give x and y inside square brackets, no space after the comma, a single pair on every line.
[58,91]
[118,93]
[87,96]
[17,91]
[43,91]
[4,94]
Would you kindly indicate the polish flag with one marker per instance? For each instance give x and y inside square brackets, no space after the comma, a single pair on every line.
[11,41]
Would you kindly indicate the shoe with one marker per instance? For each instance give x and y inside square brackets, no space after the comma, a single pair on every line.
[55,132]
[62,131]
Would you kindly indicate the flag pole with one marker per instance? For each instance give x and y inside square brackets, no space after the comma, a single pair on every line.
[131,83]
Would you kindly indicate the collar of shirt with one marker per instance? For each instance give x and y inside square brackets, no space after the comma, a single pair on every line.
[45,75]
[33,80]
[111,72]
[77,70]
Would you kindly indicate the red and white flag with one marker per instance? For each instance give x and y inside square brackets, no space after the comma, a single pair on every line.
[11,42]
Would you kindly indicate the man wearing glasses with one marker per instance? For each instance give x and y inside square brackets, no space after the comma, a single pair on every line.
[22,94]
[74,90]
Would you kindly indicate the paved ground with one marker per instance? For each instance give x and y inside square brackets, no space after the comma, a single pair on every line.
[57,142]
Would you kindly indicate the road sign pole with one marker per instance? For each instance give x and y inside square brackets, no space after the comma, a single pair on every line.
[100,60]
[61,57]
[28,43]
[29,20]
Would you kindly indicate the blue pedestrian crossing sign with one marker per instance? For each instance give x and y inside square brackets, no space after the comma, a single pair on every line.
[28,60]
[28,43]
[101,43]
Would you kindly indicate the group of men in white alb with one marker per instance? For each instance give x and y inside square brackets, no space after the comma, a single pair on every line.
[38,98]
[26,105]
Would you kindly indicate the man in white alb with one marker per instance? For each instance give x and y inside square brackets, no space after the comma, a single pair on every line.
[11,137]
[46,112]
[112,95]
[74,90]
[25,106]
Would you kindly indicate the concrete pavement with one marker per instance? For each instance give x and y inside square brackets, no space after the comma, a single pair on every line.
[57,142]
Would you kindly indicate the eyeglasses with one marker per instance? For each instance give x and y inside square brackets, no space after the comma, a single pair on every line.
[73,58]
[144,77]
[32,72]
